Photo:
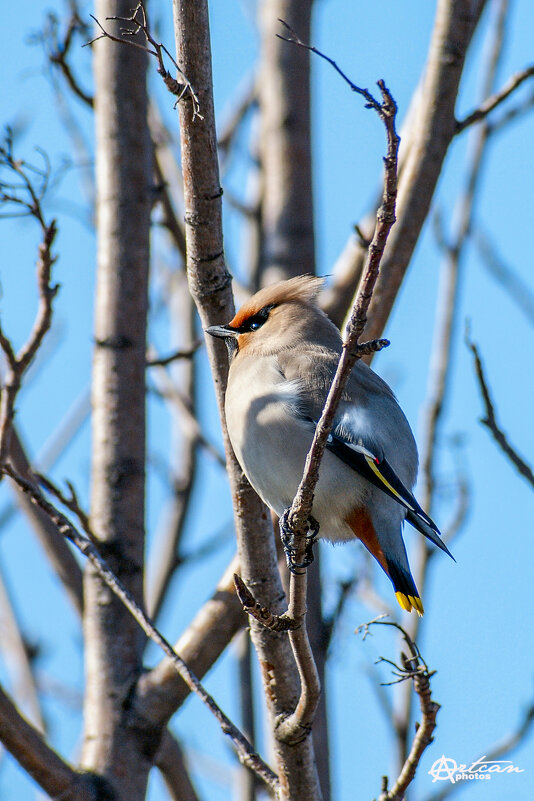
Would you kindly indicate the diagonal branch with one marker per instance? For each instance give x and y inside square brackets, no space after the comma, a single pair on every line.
[171,764]
[490,419]
[292,726]
[57,550]
[352,350]
[56,777]
[243,748]
[495,100]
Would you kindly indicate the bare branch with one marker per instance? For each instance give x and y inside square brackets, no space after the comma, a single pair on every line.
[495,100]
[210,286]
[490,420]
[164,361]
[160,691]
[453,249]
[511,114]
[56,777]
[430,134]
[352,351]
[260,613]
[29,195]
[294,726]
[138,22]
[415,668]
[243,748]
[170,762]
[294,39]
[246,97]
[58,552]
[58,50]
[70,501]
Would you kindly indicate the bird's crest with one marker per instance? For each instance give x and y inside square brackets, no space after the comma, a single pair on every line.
[303,288]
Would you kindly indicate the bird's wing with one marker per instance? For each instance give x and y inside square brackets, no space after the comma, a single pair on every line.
[352,438]
[370,463]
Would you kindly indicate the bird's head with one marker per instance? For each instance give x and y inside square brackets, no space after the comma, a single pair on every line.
[278,317]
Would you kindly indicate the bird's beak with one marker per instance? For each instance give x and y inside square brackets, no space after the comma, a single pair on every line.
[222,331]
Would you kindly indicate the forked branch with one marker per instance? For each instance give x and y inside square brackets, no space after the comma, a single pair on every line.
[137,23]
[413,667]
[23,186]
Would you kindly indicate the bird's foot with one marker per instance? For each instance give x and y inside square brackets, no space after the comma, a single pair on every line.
[288,542]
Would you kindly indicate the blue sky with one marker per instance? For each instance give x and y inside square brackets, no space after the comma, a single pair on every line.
[478,632]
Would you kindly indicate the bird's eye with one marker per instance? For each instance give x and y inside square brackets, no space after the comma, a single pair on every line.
[255,321]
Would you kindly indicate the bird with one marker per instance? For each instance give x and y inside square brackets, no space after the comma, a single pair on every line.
[283,352]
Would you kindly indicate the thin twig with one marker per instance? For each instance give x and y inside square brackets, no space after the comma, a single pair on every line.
[511,114]
[495,100]
[27,189]
[59,50]
[352,351]
[295,726]
[70,501]
[292,38]
[138,22]
[415,668]
[490,420]
[260,613]
[186,353]
[244,750]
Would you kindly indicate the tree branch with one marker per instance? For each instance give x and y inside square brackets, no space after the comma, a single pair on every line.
[55,776]
[415,668]
[58,51]
[58,552]
[160,691]
[293,727]
[431,132]
[495,100]
[136,23]
[516,288]
[209,283]
[243,748]
[171,764]
[28,195]
[490,420]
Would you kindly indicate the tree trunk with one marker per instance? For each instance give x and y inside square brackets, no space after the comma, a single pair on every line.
[113,639]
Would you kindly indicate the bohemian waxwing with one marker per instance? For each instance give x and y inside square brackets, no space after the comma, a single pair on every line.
[283,354]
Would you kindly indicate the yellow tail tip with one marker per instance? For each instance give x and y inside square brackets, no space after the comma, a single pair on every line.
[409,602]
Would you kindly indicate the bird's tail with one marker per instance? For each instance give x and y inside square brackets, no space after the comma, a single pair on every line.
[405,590]
[426,526]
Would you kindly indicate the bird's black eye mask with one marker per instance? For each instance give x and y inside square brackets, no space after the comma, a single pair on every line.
[255,321]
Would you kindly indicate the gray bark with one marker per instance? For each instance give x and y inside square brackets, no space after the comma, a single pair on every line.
[113,640]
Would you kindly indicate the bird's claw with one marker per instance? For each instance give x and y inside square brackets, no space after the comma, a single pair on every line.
[288,543]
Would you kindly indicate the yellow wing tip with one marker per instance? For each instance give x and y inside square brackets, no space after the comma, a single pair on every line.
[409,602]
